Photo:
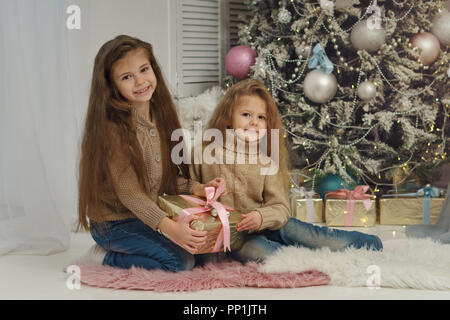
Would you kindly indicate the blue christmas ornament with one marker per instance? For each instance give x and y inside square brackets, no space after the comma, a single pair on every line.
[333,182]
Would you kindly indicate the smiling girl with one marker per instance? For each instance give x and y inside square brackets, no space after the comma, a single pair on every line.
[125,164]
[248,110]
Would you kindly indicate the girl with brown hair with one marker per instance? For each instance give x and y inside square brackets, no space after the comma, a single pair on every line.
[249,115]
[125,164]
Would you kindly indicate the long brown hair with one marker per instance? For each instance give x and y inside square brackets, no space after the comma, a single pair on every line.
[109,113]
[222,116]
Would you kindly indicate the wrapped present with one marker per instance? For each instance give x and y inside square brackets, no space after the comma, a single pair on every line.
[306,205]
[350,208]
[421,207]
[218,220]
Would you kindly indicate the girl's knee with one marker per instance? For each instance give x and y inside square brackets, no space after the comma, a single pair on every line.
[289,227]
[295,230]
[257,249]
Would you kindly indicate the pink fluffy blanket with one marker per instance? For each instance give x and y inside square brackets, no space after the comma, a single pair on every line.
[210,276]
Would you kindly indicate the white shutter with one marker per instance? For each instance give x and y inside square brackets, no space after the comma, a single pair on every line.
[237,9]
[206,30]
[233,13]
[199,50]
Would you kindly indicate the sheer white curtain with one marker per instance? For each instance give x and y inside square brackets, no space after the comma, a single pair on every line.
[43,98]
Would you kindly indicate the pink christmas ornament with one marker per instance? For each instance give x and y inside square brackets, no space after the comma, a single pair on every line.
[239,60]
[429,47]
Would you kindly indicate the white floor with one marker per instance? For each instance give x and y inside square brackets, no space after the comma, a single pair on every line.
[42,277]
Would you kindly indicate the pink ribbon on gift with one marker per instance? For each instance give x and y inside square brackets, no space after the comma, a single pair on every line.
[212,194]
[359,193]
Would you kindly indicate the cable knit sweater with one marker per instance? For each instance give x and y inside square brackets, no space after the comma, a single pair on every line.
[247,188]
[123,197]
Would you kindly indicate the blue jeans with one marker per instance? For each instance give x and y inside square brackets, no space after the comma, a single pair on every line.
[298,233]
[130,242]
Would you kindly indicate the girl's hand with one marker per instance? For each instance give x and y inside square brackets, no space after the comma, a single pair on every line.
[251,221]
[216,182]
[182,234]
[199,189]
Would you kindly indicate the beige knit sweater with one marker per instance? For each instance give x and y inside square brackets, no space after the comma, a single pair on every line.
[247,188]
[123,197]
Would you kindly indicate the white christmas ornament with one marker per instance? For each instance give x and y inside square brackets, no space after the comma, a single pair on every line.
[364,37]
[260,67]
[327,5]
[320,87]
[441,27]
[374,21]
[284,16]
[367,91]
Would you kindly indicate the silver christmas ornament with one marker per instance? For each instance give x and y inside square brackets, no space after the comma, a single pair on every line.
[367,91]
[365,37]
[441,27]
[320,87]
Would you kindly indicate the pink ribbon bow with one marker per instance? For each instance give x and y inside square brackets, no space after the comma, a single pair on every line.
[212,194]
[359,193]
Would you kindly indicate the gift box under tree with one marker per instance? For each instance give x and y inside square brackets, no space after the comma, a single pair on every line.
[306,205]
[219,224]
[421,207]
[350,208]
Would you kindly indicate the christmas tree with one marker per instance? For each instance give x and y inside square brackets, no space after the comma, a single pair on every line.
[363,86]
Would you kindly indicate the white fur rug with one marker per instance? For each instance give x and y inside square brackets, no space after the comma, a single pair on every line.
[405,263]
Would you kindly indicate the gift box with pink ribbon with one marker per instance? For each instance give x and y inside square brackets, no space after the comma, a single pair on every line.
[350,208]
[216,218]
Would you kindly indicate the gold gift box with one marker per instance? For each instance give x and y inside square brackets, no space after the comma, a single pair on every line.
[407,211]
[336,211]
[300,212]
[173,205]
